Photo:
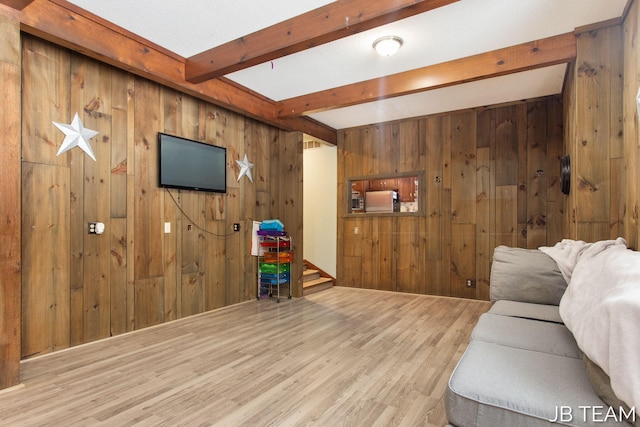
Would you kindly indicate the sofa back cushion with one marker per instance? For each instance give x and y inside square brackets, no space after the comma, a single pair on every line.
[526,275]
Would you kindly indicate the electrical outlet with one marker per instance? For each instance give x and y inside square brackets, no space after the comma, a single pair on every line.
[95,227]
[236,227]
[471,283]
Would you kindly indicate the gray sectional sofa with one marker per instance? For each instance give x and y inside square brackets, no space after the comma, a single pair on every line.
[522,366]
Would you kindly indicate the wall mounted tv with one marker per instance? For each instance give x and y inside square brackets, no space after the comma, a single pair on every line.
[192,165]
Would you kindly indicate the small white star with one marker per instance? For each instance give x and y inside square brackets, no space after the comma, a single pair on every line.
[76,135]
[245,168]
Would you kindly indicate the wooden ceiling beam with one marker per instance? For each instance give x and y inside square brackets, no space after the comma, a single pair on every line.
[69,26]
[16,4]
[325,24]
[526,56]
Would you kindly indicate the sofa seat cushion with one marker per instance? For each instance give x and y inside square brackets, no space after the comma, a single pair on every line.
[548,313]
[495,385]
[527,334]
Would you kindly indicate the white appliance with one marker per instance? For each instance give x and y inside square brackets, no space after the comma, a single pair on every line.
[381,201]
[357,202]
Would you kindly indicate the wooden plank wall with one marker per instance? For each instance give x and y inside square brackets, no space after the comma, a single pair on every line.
[628,170]
[10,262]
[602,134]
[80,287]
[492,177]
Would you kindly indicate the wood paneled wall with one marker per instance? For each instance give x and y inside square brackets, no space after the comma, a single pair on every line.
[602,134]
[10,206]
[491,178]
[78,287]
[628,170]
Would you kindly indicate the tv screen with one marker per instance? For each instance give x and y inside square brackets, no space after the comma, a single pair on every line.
[192,165]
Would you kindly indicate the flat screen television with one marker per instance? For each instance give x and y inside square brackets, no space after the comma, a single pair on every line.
[192,165]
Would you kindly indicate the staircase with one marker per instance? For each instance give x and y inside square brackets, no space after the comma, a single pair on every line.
[312,280]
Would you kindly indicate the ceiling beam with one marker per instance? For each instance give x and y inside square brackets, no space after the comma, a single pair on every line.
[16,4]
[69,26]
[526,56]
[325,24]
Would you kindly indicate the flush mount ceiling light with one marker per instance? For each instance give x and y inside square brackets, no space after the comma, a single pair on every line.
[387,45]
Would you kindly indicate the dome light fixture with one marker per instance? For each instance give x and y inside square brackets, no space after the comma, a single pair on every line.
[387,45]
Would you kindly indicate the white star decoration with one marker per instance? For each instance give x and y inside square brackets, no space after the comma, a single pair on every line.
[76,135]
[245,168]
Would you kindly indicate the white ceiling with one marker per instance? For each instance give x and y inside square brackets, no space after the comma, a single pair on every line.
[461,29]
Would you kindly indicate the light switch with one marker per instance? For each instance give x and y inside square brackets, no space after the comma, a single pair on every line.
[167,227]
[95,228]
[99,227]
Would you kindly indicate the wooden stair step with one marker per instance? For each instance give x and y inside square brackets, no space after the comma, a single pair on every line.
[317,282]
[316,285]
[309,275]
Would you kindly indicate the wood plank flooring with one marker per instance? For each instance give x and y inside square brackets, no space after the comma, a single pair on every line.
[339,357]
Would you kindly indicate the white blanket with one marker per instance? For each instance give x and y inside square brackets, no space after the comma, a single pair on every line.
[601,307]
[568,252]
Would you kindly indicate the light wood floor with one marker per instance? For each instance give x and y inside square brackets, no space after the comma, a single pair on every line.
[338,357]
